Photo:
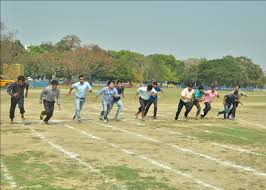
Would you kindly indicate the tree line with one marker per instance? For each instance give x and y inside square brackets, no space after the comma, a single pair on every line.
[68,58]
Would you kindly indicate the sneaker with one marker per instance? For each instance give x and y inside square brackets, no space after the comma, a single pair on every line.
[105,120]
[79,120]
[74,117]
[22,117]
[46,122]
[101,117]
[154,117]
[41,116]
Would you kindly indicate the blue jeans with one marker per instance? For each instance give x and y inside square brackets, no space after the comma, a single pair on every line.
[106,108]
[119,110]
[226,110]
[79,104]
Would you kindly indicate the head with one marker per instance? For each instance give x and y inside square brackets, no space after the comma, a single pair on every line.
[213,88]
[54,84]
[119,83]
[111,84]
[190,86]
[81,79]
[21,80]
[201,87]
[154,84]
[149,87]
[235,93]
[237,87]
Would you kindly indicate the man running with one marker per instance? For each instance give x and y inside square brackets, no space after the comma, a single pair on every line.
[229,100]
[185,100]
[232,112]
[208,99]
[16,91]
[153,100]
[117,100]
[197,98]
[110,93]
[144,94]
[82,87]
[47,96]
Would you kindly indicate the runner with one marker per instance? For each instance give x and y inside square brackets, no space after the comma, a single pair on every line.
[232,112]
[229,100]
[110,95]
[47,96]
[185,100]
[144,94]
[16,91]
[197,98]
[153,100]
[118,101]
[208,99]
[82,87]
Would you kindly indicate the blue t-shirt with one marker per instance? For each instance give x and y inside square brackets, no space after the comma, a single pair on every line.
[158,89]
[198,94]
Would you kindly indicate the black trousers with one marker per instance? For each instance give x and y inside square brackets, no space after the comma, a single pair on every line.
[180,106]
[143,104]
[14,102]
[233,110]
[197,104]
[154,102]
[49,109]
[206,109]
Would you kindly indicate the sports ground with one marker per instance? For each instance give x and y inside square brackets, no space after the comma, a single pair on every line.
[161,154]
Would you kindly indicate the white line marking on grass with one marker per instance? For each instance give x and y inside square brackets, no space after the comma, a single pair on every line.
[215,144]
[238,149]
[251,123]
[73,156]
[123,130]
[154,162]
[224,134]
[7,176]
[181,134]
[225,163]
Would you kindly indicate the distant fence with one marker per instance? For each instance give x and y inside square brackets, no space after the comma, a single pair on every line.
[35,84]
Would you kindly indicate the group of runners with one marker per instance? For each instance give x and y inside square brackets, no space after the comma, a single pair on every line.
[113,93]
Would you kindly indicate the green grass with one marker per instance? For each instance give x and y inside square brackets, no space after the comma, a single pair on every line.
[30,172]
[134,181]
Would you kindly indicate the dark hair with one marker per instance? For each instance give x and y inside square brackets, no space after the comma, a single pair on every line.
[235,92]
[21,77]
[81,76]
[149,87]
[54,82]
[190,85]
[119,81]
[213,86]
[201,87]
[155,83]
[238,85]
[110,81]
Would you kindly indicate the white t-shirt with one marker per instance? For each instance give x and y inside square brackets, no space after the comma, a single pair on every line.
[187,94]
[82,89]
[144,94]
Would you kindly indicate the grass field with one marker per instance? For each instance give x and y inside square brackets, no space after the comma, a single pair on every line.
[161,154]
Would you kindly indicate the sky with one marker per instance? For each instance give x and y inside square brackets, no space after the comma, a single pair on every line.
[183,29]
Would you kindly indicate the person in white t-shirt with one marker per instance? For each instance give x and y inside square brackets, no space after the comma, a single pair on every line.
[185,100]
[144,94]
